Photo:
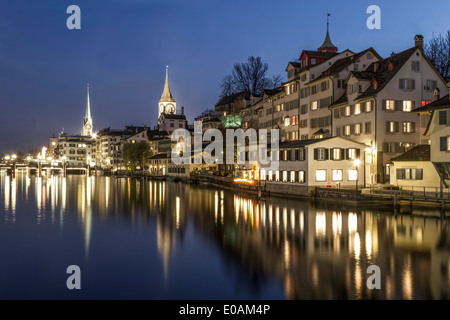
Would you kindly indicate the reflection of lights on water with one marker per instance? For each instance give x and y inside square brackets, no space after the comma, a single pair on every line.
[270,215]
[277,217]
[178,212]
[357,245]
[419,235]
[321,224]
[301,221]
[63,194]
[352,223]
[287,255]
[221,207]
[358,281]
[236,208]
[293,220]
[285,219]
[407,281]
[337,223]
[315,275]
[38,183]
[106,193]
[216,206]
[7,192]
[368,244]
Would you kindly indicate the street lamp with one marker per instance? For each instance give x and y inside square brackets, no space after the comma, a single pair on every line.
[357,162]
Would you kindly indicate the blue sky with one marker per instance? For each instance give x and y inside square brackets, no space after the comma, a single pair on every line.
[124,46]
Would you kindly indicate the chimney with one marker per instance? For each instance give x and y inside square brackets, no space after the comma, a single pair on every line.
[418,39]
[437,94]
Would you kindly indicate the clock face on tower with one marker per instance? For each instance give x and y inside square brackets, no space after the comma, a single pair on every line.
[161,108]
[88,126]
[170,108]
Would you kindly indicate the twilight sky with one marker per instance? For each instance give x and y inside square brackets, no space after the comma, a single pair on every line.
[124,46]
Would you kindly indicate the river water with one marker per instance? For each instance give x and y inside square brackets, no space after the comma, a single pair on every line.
[164,240]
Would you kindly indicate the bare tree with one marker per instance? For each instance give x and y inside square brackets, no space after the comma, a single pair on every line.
[227,86]
[250,76]
[275,82]
[438,51]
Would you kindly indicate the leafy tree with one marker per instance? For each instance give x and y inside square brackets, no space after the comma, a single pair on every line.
[438,51]
[250,76]
[136,155]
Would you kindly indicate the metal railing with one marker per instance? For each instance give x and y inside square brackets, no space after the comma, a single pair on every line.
[411,192]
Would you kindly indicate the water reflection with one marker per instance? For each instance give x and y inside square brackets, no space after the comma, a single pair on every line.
[313,251]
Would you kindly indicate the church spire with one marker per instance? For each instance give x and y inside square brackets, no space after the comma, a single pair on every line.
[327,45]
[87,121]
[87,116]
[167,95]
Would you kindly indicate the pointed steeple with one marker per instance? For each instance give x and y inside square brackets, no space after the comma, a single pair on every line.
[87,116]
[167,95]
[327,45]
[87,121]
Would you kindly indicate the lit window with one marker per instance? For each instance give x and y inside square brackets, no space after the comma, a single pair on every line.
[321,175]
[263,174]
[314,105]
[368,106]
[301,176]
[287,121]
[347,111]
[347,130]
[407,106]
[351,154]
[358,128]
[285,176]
[352,175]
[357,108]
[408,127]
[292,176]
[269,176]
[390,105]
[337,154]
[337,175]
[277,175]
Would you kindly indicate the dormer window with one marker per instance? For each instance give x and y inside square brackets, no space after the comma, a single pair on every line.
[390,66]
[313,61]
[375,84]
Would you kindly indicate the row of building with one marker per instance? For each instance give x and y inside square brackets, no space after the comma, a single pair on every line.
[345,119]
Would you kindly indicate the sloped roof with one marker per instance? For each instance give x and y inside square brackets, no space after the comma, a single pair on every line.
[420,152]
[230,98]
[174,116]
[342,100]
[299,143]
[442,103]
[319,53]
[343,63]
[382,74]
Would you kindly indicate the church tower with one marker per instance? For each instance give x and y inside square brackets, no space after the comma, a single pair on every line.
[87,122]
[167,103]
[327,45]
